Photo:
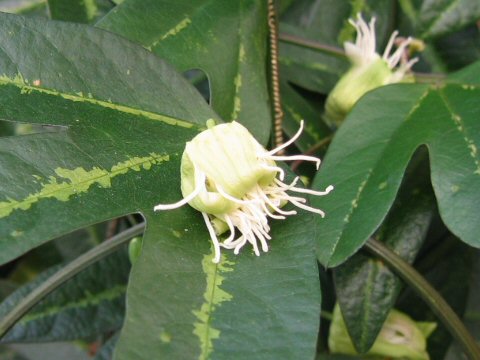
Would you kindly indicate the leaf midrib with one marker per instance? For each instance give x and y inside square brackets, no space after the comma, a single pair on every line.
[27,88]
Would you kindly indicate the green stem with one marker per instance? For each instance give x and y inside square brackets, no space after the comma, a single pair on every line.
[67,273]
[326,315]
[436,302]
[313,45]
[428,78]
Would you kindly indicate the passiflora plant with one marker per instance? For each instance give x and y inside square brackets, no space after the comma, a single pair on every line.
[193,132]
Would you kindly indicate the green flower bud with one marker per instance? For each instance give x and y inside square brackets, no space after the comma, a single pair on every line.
[368,71]
[399,338]
[134,249]
[236,185]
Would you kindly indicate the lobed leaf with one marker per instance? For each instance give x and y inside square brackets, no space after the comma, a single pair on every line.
[382,132]
[122,120]
[181,305]
[230,49]
[366,288]
[109,161]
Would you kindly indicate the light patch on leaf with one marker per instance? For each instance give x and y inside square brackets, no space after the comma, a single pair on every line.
[25,89]
[354,202]
[79,181]
[91,9]
[383,185]
[109,294]
[165,337]
[213,296]
[241,53]
[469,141]
[309,128]
[236,100]
[172,32]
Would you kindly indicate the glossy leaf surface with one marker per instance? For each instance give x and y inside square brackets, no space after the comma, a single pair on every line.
[230,49]
[195,309]
[120,123]
[90,303]
[383,131]
[366,288]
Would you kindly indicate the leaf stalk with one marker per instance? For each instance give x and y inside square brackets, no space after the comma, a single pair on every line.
[423,288]
[66,273]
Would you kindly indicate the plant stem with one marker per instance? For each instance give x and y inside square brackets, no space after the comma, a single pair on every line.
[428,78]
[326,315]
[423,288]
[275,75]
[313,45]
[67,273]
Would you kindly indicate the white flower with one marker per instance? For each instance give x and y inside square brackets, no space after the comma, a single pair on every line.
[369,70]
[363,52]
[236,185]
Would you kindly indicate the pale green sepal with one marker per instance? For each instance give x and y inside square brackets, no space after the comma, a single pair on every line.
[399,338]
[228,155]
[355,83]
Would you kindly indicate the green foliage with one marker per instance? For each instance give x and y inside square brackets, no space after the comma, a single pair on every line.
[366,288]
[382,136]
[95,112]
[233,33]
[82,11]
[91,303]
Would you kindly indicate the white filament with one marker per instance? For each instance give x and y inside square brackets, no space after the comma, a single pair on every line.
[248,222]
[213,236]
[364,49]
[200,178]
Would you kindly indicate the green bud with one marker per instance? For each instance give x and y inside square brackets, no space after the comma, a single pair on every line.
[237,186]
[134,249]
[355,83]
[399,338]
[369,70]
[228,155]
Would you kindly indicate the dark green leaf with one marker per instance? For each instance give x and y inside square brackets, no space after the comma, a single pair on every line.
[369,154]
[366,288]
[90,304]
[307,68]
[129,116]
[110,160]
[468,75]
[445,267]
[81,11]
[440,17]
[6,288]
[326,21]
[230,48]
[295,109]
[184,306]
[6,128]
[471,316]
[460,48]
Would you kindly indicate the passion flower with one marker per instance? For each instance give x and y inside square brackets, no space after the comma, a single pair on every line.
[400,338]
[237,186]
[368,69]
